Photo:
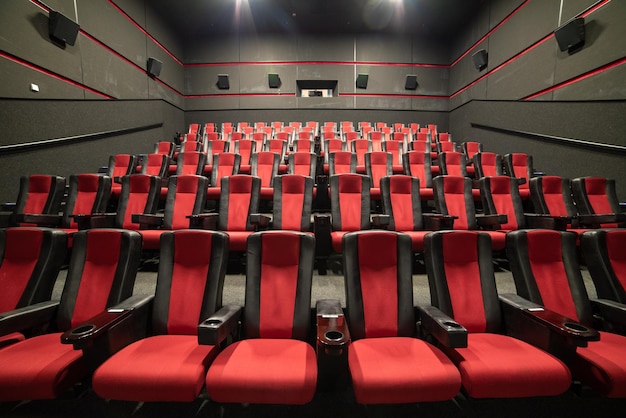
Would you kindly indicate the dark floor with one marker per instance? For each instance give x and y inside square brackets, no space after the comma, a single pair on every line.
[339,403]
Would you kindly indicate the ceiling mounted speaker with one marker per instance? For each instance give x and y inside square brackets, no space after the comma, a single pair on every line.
[480,59]
[273,81]
[61,29]
[154,67]
[222,82]
[361,81]
[411,82]
[571,36]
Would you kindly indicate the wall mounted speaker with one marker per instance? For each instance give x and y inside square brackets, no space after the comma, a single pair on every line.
[361,81]
[411,82]
[571,36]
[61,29]
[480,59]
[154,67]
[273,81]
[222,82]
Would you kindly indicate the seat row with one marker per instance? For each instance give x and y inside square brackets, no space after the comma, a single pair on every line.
[180,341]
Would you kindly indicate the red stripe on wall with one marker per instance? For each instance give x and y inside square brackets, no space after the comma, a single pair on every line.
[578,78]
[145,32]
[372,63]
[52,74]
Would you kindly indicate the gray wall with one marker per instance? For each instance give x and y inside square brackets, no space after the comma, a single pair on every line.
[524,60]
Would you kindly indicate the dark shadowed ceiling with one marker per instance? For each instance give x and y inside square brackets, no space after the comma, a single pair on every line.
[432,18]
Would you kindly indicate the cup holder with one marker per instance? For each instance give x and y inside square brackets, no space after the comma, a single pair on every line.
[575,327]
[213,322]
[452,324]
[84,329]
[333,335]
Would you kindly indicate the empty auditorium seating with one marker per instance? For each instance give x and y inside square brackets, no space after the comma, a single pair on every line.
[546,272]
[340,162]
[604,256]
[452,163]
[520,165]
[272,363]
[453,197]
[101,274]
[30,260]
[155,165]
[487,164]
[378,164]
[38,194]
[292,202]
[387,363]
[303,163]
[169,364]
[597,196]
[492,364]
[265,165]
[191,162]
[186,196]
[246,148]
[418,164]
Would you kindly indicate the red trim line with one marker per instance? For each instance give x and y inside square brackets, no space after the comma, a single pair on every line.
[373,63]
[396,95]
[577,79]
[52,74]
[206,96]
[595,7]
[145,32]
[488,34]
[499,67]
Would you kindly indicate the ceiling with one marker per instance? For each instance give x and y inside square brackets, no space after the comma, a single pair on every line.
[442,19]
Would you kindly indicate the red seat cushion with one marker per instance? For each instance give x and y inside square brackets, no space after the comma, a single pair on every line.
[175,364]
[264,371]
[498,366]
[602,365]
[152,238]
[39,368]
[400,370]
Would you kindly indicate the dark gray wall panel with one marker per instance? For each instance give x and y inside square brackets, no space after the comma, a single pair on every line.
[160,91]
[164,34]
[572,8]
[383,48]
[608,85]
[474,31]
[172,72]
[254,78]
[478,90]
[24,33]
[343,102]
[499,10]
[575,120]
[268,48]
[604,42]
[211,103]
[112,75]
[428,104]
[58,119]
[203,79]
[211,50]
[16,80]
[109,26]
[531,23]
[271,102]
[429,51]
[325,48]
[527,74]
[344,74]
[373,102]
[385,80]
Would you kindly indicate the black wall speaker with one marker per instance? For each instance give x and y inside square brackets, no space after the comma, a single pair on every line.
[480,59]
[154,67]
[571,36]
[222,82]
[62,29]
[411,82]
[273,81]
[361,81]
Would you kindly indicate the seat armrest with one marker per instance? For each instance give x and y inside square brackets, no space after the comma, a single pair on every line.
[594,221]
[216,328]
[542,327]
[8,207]
[28,317]
[84,335]
[259,220]
[491,221]
[521,180]
[203,221]
[47,220]
[611,312]
[147,220]
[95,220]
[381,221]
[6,219]
[322,228]
[333,335]
[444,329]
[437,221]
[541,221]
